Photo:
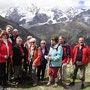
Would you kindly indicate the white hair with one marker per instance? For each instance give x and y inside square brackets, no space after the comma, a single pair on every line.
[32,40]
[43,41]
[9,26]
[18,38]
[15,30]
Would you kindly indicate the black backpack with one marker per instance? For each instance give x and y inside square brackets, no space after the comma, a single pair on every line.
[63,54]
[68,52]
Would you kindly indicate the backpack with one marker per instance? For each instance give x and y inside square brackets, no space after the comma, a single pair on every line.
[63,54]
[67,51]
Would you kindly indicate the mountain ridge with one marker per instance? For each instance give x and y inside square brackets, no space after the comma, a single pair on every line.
[33,15]
[22,31]
[70,30]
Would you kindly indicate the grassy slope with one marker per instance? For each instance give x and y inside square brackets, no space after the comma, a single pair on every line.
[26,86]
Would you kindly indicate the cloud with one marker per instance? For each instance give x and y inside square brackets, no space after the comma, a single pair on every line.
[87,3]
[45,3]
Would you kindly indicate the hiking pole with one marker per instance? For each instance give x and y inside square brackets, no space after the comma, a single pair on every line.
[9,63]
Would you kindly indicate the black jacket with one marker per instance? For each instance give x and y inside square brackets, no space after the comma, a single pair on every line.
[17,55]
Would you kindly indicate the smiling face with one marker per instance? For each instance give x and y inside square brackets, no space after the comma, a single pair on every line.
[33,44]
[53,42]
[43,44]
[19,42]
[61,40]
[8,30]
[15,33]
[81,41]
[4,36]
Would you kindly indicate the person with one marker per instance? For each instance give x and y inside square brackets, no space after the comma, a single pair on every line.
[27,46]
[44,51]
[55,60]
[14,36]
[18,58]
[67,51]
[80,60]
[25,63]
[34,56]
[6,55]
[9,29]
[27,43]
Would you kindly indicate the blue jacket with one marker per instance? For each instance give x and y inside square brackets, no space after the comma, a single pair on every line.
[56,53]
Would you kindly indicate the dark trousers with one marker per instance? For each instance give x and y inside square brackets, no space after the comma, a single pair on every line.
[25,64]
[30,68]
[41,68]
[3,74]
[11,70]
[82,70]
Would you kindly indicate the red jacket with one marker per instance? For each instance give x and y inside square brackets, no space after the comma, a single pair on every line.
[3,50]
[89,55]
[68,53]
[84,56]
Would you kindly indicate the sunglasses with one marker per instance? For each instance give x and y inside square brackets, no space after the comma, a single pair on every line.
[4,34]
[32,42]
[42,43]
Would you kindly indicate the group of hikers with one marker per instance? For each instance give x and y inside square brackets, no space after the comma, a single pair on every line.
[14,52]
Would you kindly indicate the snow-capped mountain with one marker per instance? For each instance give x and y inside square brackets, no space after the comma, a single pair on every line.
[33,15]
[3,12]
[83,16]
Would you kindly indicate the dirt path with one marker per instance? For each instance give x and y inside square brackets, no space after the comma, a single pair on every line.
[43,87]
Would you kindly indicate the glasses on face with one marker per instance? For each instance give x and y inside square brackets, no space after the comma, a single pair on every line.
[42,43]
[32,42]
[9,29]
[5,34]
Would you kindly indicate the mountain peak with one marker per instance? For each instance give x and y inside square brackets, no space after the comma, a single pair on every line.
[29,16]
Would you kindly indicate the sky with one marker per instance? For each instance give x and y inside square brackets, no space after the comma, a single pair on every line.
[79,4]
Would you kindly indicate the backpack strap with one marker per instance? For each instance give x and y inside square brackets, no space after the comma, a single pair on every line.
[68,51]
[1,43]
[57,47]
[36,48]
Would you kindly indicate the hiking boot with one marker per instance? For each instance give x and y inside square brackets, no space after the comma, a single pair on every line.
[38,80]
[16,83]
[42,79]
[49,83]
[1,88]
[65,86]
[55,85]
[0,82]
[82,86]
[72,84]
[35,84]
[6,84]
